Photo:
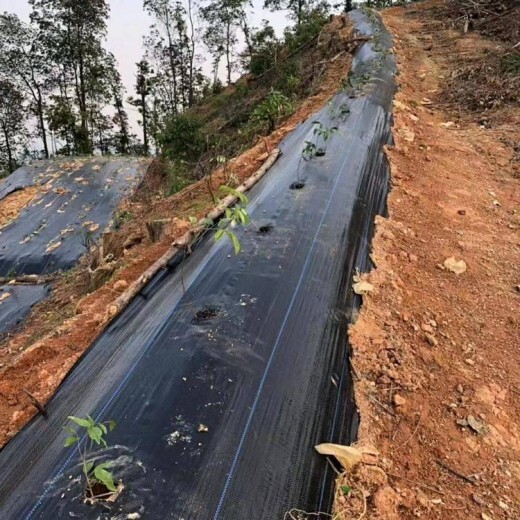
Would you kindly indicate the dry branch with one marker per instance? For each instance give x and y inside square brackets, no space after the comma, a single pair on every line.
[28,279]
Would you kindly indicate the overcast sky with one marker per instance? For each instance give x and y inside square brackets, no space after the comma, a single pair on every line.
[129,23]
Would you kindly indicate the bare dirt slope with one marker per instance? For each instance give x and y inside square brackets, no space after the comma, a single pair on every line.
[437,354]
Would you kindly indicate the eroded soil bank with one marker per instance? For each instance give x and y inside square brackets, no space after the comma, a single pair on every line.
[436,354]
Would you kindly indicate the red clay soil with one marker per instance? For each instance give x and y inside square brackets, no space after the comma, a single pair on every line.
[436,354]
[11,205]
[39,356]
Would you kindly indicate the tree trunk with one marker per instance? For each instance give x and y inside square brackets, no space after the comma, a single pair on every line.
[43,133]
[11,166]
[172,66]
[228,51]
[192,54]
[145,123]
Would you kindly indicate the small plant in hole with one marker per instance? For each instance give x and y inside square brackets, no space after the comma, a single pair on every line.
[237,215]
[340,112]
[309,151]
[99,480]
[323,132]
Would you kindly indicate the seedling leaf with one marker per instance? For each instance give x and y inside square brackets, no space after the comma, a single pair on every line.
[80,422]
[70,441]
[346,490]
[105,477]
[236,242]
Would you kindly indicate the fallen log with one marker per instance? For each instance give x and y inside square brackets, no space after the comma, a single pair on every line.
[187,239]
[28,279]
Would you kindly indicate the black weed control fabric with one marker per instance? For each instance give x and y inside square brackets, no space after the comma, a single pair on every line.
[254,349]
[77,199]
[15,303]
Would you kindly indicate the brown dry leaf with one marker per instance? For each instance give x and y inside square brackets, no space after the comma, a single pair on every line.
[407,134]
[455,266]
[362,287]
[69,229]
[347,456]
[400,106]
[4,296]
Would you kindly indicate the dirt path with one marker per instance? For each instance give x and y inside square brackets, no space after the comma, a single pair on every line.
[437,353]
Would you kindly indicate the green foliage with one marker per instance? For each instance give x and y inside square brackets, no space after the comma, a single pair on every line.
[272,109]
[235,216]
[265,48]
[13,133]
[346,490]
[309,26]
[178,176]
[309,151]
[121,218]
[510,64]
[341,112]
[182,138]
[95,433]
[322,132]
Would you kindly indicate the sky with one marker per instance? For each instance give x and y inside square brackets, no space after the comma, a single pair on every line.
[129,23]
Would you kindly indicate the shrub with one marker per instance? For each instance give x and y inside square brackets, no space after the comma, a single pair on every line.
[182,138]
[272,109]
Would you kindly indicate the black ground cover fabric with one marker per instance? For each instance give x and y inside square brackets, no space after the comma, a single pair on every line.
[77,199]
[253,346]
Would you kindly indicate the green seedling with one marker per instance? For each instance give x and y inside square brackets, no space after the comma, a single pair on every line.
[346,490]
[309,151]
[234,217]
[322,132]
[90,435]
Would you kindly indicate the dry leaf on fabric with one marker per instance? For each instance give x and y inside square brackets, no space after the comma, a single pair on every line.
[347,456]
[455,266]
[4,296]
[52,247]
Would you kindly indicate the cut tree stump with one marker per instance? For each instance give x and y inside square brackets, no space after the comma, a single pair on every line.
[156,229]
